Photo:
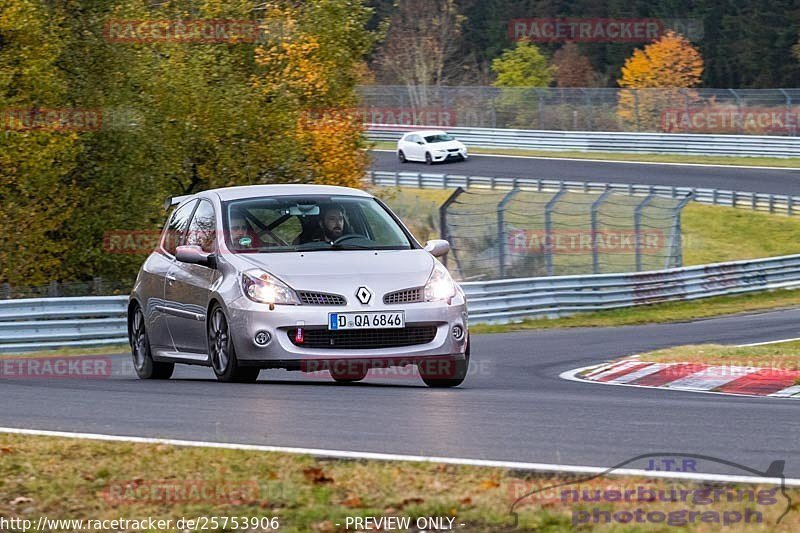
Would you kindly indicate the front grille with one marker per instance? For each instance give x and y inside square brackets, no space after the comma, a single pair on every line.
[363,339]
[321,298]
[452,149]
[406,296]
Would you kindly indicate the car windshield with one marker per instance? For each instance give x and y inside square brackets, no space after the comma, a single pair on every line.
[311,223]
[438,138]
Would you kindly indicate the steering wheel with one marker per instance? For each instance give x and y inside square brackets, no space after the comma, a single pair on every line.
[347,237]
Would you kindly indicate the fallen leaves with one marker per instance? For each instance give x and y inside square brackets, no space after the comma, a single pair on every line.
[488,484]
[352,501]
[316,476]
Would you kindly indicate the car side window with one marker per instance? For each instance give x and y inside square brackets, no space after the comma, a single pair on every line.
[177,226]
[202,229]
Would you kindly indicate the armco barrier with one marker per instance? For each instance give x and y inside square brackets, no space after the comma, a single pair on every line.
[601,141]
[95,321]
[772,203]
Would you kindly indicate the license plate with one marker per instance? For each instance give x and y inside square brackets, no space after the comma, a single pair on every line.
[367,320]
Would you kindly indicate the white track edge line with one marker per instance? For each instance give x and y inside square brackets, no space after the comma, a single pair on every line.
[767,342]
[341,454]
[571,375]
[711,165]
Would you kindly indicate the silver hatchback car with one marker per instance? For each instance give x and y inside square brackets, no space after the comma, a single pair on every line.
[300,277]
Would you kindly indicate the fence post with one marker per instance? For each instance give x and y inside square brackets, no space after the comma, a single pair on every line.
[501,242]
[548,229]
[738,110]
[443,231]
[52,289]
[6,291]
[637,227]
[789,206]
[595,208]
[676,237]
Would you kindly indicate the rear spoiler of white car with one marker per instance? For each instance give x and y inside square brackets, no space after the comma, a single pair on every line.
[172,201]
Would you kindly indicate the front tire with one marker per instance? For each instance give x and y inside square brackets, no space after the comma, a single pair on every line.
[440,373]
[402,157]
[428,158]
[143,363]
[222,354]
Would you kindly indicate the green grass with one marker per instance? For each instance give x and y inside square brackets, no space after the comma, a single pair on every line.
[790,162]
[657,313]
[712,234]
[784,355]
[75,479]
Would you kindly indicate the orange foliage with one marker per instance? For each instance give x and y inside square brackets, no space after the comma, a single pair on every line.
[667,66]
[332,142]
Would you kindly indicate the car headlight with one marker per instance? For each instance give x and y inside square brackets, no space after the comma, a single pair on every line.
[265,288]
[441,151]
[440,285]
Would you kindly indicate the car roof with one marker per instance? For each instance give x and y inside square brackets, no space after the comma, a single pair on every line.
[294,189]
[426,132]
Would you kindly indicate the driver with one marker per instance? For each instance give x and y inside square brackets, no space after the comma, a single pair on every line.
[333,223]
[242,237]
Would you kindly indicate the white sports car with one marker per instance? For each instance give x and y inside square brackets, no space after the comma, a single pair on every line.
[434,146]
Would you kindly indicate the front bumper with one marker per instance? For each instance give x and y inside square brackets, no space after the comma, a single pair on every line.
[248,318]
[449,156]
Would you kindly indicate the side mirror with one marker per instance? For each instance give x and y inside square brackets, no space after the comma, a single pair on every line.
[437,247]
[195,255]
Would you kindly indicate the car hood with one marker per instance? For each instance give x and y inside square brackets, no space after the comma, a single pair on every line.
[343,271]
[446,145]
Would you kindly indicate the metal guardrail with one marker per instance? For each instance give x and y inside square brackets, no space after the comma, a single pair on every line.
[607,141]
[27,325]
[508,300]
[43,323]
[756,201]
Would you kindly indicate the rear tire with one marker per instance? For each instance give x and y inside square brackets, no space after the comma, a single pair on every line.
[222,354]
[402,157]
[143,363]
[444,373]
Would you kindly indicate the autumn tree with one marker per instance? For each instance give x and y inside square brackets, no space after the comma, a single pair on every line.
[178,117]
[658,77]
[420,46]
[37,194]
[518,70]
[572,69]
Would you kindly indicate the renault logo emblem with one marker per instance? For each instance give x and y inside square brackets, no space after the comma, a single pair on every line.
[364,295]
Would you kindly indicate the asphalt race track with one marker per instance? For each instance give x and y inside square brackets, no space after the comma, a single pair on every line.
[776,181]
[513,405]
